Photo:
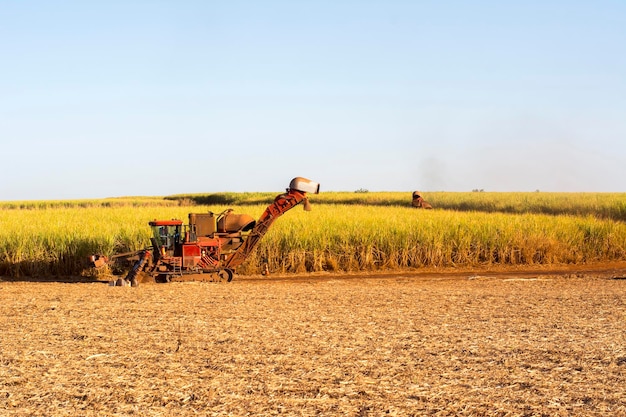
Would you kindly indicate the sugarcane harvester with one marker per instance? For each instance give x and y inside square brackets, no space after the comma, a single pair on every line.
[211,246]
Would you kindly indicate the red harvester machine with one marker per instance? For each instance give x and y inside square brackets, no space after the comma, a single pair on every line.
[210,246]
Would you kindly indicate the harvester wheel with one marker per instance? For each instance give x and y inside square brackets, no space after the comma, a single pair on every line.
[225,275]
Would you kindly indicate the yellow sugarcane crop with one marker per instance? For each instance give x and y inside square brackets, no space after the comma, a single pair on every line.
[344,232]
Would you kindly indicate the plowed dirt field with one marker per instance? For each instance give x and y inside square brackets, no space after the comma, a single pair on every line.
[447,344]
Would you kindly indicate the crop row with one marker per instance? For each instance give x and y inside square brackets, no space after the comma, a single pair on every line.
[337,235]
[603,205]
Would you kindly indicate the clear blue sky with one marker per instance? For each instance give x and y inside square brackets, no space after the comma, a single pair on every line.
[128,98]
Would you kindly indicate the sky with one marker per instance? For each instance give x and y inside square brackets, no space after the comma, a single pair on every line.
[153,98]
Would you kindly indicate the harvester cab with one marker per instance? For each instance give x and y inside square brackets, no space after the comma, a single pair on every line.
[210,246]
[166,235]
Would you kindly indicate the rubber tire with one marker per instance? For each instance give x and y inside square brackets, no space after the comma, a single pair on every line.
[226,275]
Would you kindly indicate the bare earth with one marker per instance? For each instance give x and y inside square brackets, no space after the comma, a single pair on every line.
[514,343]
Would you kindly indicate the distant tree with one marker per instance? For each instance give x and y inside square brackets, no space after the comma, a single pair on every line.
[362,190]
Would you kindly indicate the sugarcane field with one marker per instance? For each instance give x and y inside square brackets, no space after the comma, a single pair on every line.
[358,306]
[313,209]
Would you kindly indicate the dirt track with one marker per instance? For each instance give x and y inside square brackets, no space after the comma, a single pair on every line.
[509,343]
[614,270]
